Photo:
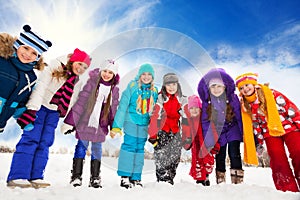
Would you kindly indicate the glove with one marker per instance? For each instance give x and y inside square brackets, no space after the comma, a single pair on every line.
[153,141]
[27,119]
[114,131]
[19,112]
[215,150]
[67,129]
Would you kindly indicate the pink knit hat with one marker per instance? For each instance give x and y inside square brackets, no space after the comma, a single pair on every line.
[80,56]
[194,101]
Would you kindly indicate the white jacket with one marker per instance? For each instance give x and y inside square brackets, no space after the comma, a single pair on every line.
[45,89]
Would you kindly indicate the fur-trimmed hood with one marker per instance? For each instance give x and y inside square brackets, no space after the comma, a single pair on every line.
[7,50]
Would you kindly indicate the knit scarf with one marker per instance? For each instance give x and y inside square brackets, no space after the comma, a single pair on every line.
[274,126]
[63,95]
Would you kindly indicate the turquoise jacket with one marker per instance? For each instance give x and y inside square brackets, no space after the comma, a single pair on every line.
[127,110]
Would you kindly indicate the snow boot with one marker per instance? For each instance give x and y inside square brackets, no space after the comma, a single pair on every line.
[95,180]
[125,182]
[22,183]
[237,176]
[76,179]
[137,183]
[220,177]
[205,182]
[39,183]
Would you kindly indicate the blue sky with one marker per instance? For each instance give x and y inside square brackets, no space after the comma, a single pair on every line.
[239,36]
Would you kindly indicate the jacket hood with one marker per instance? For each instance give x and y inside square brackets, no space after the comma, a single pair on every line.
[7,50]
[203,89]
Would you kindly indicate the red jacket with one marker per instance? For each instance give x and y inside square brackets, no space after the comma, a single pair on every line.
[170,116]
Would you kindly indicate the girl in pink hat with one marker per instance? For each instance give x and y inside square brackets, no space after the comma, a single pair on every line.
[202,159]
[48,102]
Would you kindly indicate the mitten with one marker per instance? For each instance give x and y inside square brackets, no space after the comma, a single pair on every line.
[215,150]
[67,129]
[153,141]
[27,119]
[18,112]
[115,131]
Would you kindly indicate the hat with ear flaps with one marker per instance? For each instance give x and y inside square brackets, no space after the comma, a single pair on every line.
[32,40]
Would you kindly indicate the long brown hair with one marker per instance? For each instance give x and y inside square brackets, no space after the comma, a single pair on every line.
[64,71]
[212,113]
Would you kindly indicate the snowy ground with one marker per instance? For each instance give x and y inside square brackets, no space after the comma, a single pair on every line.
[257,185]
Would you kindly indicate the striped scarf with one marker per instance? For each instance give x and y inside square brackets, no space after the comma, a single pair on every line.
[63,96]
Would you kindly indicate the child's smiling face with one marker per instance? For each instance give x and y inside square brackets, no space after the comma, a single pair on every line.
[217,90]
[26,54]
[107,75]
[171,88]
[146,78]
[79,68]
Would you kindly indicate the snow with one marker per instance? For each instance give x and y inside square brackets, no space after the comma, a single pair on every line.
[257,184]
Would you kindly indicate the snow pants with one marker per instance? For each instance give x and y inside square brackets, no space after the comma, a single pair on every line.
[82,146]
[32,151]
[167,155]
[201,165]
[131,157]
[234,156]
[283,176]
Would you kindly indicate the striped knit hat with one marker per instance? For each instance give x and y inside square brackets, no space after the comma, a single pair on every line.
[31,39]
[247,78]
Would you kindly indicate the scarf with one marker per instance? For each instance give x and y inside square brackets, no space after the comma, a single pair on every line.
[63,95]
[274,126]
[102,95]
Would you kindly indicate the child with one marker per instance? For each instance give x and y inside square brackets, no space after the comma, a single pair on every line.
[221,113]
[202,161]
[169,117]
[18,59]
[49,101]
[90,117]
[133,116]
[270,117]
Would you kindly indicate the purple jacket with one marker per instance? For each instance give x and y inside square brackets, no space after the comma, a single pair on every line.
[227,131]
[78,118]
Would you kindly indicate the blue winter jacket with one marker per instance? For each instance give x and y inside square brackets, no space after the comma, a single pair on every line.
[127,107]
[16,82]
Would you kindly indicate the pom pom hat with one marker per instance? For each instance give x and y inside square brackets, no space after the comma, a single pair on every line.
[80,56]
[110,65]
[247,78]
[32,40]
[194,101]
